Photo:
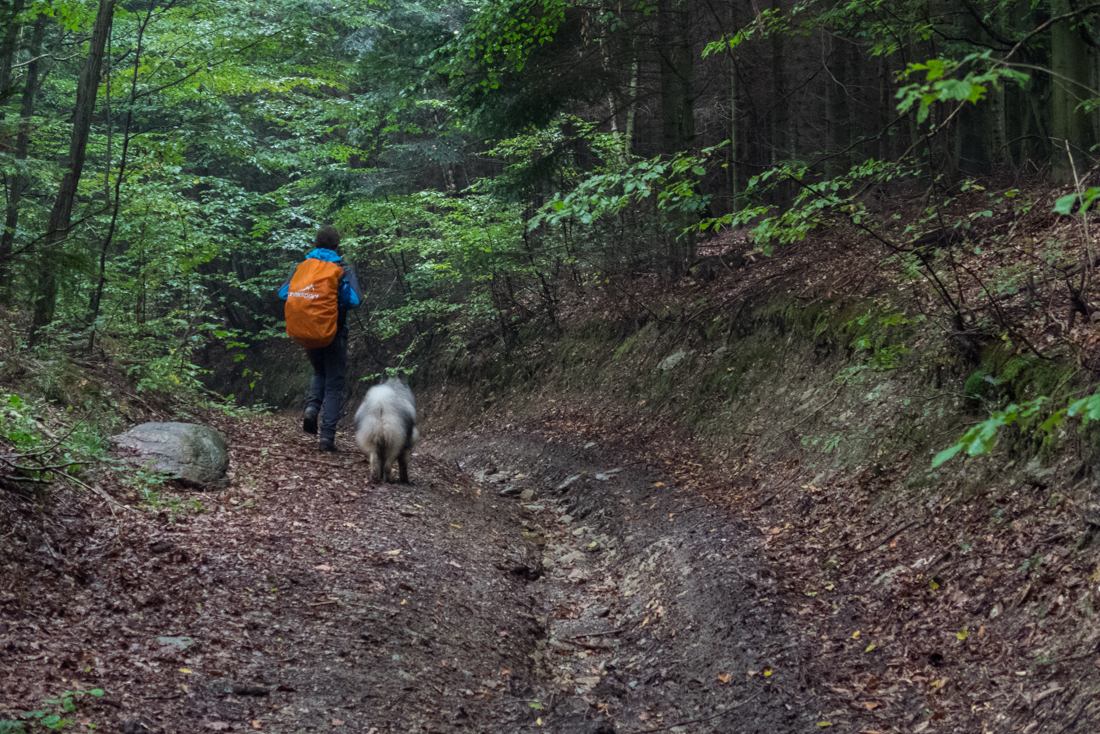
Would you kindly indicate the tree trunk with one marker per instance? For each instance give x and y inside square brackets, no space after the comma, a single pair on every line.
[677,100]
[734,173]
[18,181]
[60,216]
[677,112]
[631,112]
[1069,125]
[781,111]
[836,110]
[9,44]
[996,128]
[97,295]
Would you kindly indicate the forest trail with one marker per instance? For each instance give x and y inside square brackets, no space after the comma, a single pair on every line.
[302,599]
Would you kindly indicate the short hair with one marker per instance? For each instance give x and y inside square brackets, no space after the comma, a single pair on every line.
[328,238]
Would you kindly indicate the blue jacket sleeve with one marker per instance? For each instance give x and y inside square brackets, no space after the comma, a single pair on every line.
[350,294]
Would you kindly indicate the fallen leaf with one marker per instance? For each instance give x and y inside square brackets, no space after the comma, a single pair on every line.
[393,552]
[256,724]
[724,677]
[870,647]
[323,567]
[658,484]
[855,634]
[870,705]
[337,722]
[184,670]
[768,672]
[962,634]
[456,526]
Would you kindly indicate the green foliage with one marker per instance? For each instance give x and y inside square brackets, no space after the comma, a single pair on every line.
[149,485]
[17,424]
[978,72]
[671,182]
[882,337]
[146,480]
[982,438]
[49,719]
[503,36]
[1070,203]
[766,22]
[979,384]
[39,453]
[817,203]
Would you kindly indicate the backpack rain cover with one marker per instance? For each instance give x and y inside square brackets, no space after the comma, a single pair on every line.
[311,303]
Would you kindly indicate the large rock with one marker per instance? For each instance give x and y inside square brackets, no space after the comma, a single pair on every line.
[193,453]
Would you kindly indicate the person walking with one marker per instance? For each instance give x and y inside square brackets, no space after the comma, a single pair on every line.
[318,293]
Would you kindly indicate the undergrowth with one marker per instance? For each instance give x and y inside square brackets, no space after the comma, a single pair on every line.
[54,717]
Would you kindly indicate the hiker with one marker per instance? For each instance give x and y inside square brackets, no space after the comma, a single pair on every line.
[318,293]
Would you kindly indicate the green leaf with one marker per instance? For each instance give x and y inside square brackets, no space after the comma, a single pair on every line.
[1064,205]
[946,455]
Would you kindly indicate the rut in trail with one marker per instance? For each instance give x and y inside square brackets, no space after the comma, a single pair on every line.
[521,583]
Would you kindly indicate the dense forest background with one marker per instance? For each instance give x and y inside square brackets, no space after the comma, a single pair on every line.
[164,162]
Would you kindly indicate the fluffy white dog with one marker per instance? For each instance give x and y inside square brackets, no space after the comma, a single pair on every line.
[385,429]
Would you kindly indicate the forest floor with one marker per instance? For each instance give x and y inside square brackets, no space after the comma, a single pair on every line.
[573,564]
[525,580]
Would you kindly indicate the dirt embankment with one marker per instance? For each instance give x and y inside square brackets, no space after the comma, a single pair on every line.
[961,598]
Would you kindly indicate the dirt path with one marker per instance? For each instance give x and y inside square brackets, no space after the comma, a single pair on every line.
[589,597]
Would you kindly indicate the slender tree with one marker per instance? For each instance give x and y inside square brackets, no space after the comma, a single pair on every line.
[97,293]
[1071,61]
[674,50]
[9,44]
[17,181]
[57,228]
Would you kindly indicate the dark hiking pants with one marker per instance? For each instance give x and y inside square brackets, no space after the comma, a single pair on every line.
[326,392]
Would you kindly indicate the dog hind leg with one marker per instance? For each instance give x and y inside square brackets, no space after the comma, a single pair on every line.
[403,466]
[378,463]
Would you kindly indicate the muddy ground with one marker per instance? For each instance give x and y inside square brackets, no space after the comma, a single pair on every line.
[527,580]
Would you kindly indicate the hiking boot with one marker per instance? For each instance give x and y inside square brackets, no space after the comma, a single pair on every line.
[327,446]
[309,420]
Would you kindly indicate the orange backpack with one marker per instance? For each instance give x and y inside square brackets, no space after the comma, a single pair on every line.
[311,303]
